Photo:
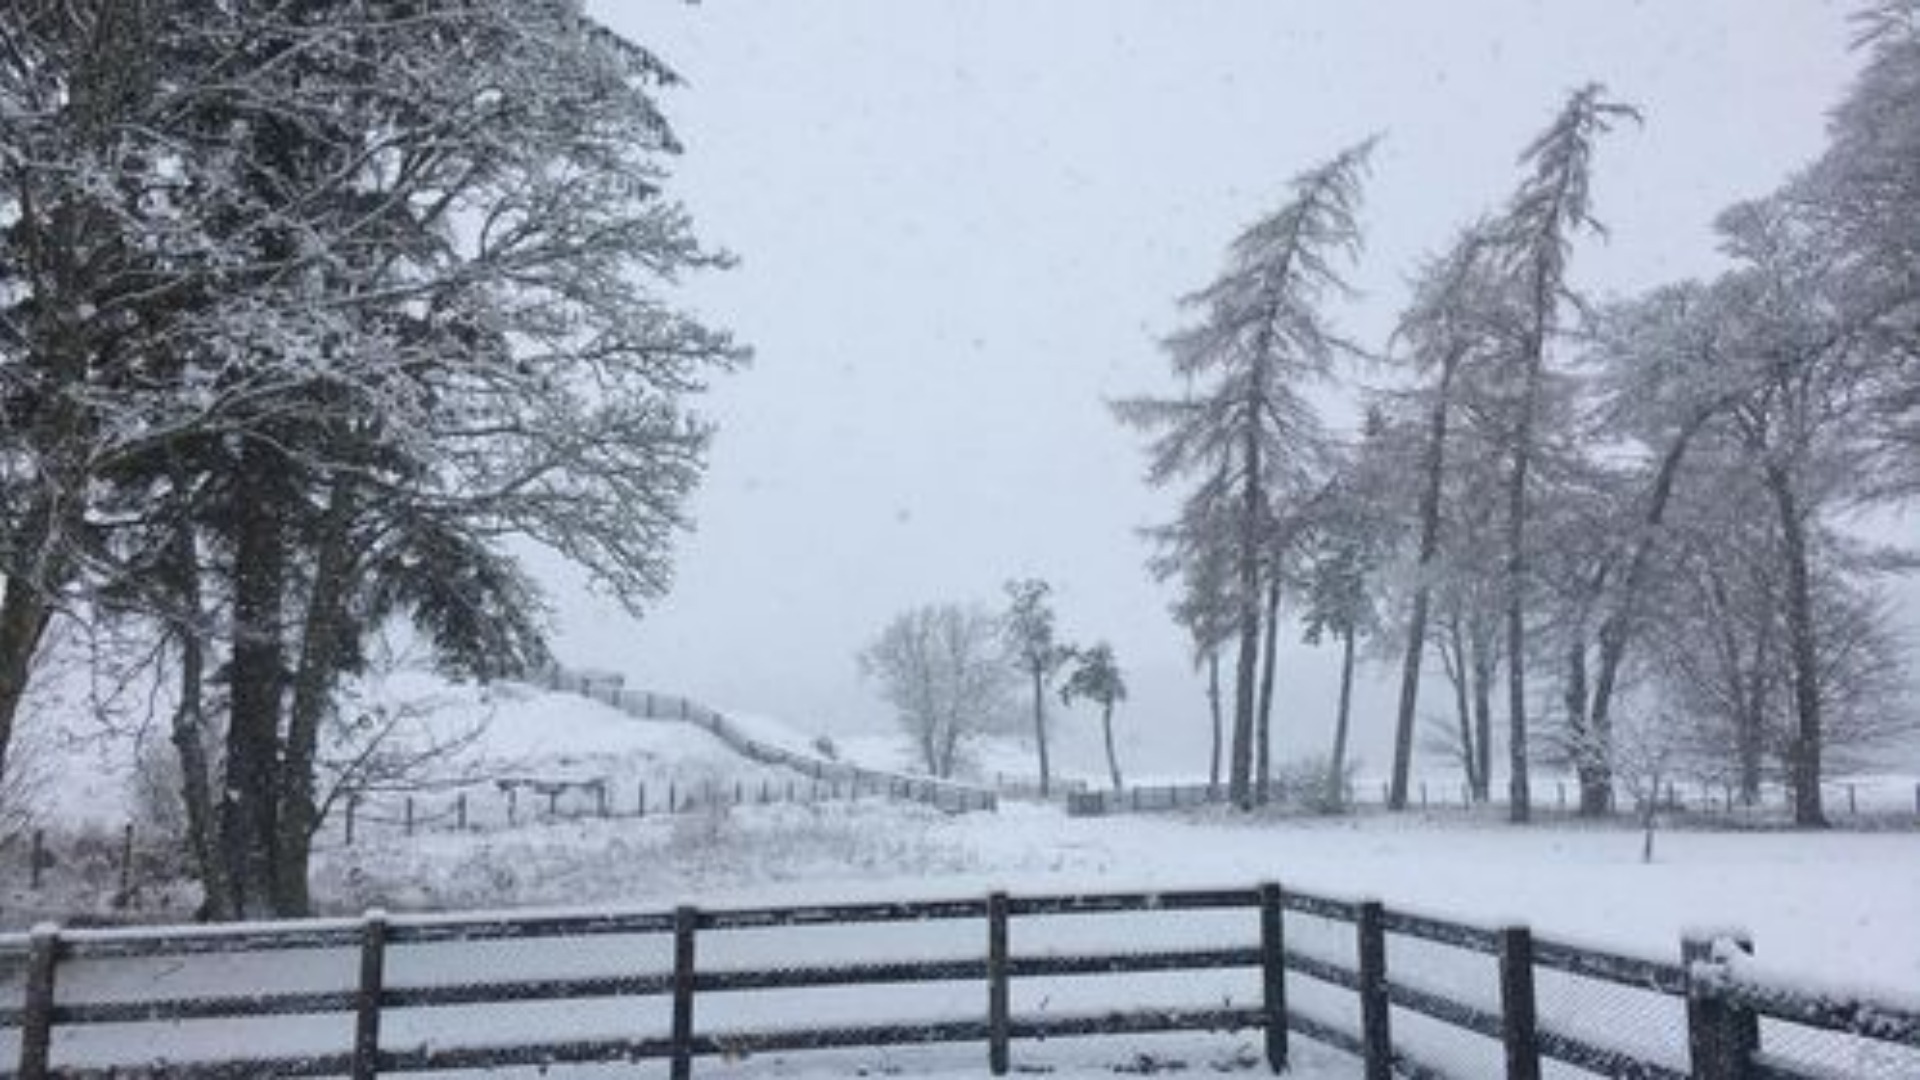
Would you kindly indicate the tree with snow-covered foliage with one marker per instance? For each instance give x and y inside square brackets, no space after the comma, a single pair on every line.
[409,307]
[1245,429]
[1037,651]
[945,670]
[1532,248]
[1095,676]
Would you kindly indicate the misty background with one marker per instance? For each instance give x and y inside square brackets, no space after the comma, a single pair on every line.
[964,226]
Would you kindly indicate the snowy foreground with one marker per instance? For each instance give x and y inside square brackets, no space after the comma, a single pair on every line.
[1838,906]
[1823,909]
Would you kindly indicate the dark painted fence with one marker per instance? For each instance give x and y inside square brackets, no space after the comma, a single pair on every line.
[1727,1024]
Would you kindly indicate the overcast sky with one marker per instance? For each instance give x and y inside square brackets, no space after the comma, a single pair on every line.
[962,228]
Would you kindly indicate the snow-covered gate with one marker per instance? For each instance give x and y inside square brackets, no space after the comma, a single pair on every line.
[1405,994]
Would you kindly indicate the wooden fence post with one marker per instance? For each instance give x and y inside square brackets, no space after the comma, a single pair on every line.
[126,863]
[513,805]
[1722,1038]
[36,1019]
[685,921]
[1519,1021]
[1273,975]
[460,811]
[999,999]
[640,801]
[373,984]
[409,815]
[1853,804]
[1375,1029]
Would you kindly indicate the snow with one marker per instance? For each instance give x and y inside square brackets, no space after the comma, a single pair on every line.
[1830,911]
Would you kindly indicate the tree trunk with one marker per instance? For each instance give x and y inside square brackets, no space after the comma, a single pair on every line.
[256,675]
[1459,674]
[1263,778]
[24,615]
[1590,754]
[322,636]
[1213,706]
[1106,729]
[1519,794]
[1337,767]
[1807,809]
[1617,628]
[189,734]
[1252,515]
[1483,652]
[1040,727]
[1435,470]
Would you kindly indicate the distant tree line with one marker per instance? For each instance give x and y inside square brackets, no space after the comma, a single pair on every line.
[1582,509]
[304,309]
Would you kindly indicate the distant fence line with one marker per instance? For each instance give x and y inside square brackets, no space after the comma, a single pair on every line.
[1709,801]
[611,689]
[1533,999]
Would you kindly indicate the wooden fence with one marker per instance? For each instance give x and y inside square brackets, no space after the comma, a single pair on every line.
[1720,1037]
[1706,802]
[651,705]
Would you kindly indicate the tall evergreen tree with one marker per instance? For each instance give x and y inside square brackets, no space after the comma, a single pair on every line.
[1246,429]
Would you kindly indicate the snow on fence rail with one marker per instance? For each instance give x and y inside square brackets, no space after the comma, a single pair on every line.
[401,994]
[610,689]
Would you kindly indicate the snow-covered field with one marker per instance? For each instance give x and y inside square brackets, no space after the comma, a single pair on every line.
[1836,908]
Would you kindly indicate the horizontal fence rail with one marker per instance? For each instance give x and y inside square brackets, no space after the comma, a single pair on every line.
[1537,1009]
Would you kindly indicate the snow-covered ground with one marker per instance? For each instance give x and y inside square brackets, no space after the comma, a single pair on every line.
[1836,908]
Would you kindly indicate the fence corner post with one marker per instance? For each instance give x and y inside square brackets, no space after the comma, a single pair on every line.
[1370,922]
[1722,1037]
[373,980]
[999,999]
[36,1019]
[1519,1019]
[1273,974]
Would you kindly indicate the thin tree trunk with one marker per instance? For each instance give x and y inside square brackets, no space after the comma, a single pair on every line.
[1040,727]
[1483,648]
[189,735]
[1337,767]
[1435,470]
[1519,793]
[1617,628]
[1252,513]
[1807,808]
[322,637]
[1589,756]
[1106,729]
[1458,673]
[1213,706]
[1269,658]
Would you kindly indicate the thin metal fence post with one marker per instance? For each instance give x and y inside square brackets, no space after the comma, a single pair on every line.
[1375,1027]
[1273,972]
[1519,1019]
[999,999]
[686,920]
[36,1019]
[373,981]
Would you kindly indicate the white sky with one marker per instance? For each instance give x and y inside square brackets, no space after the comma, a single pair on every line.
[963,226]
